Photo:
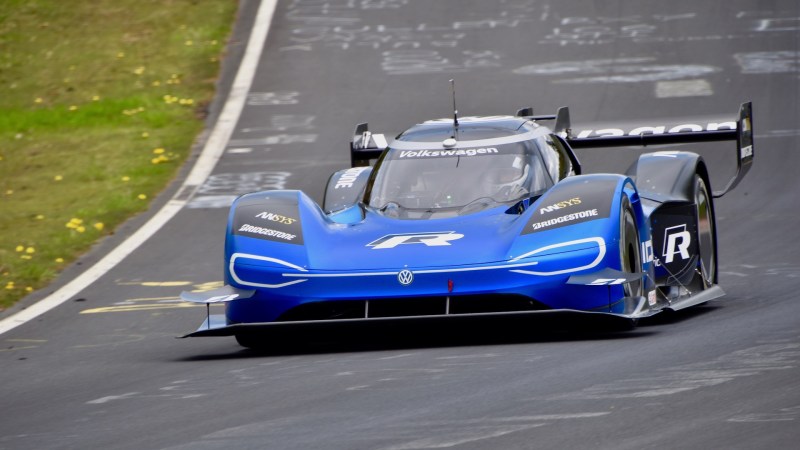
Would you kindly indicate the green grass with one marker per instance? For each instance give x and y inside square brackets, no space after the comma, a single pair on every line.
[100,103]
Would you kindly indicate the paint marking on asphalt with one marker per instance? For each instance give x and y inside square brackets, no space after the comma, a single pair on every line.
[683,88]
[109,398]
[212,151]
[148,307]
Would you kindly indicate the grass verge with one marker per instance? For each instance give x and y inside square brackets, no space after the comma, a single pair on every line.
[101,102]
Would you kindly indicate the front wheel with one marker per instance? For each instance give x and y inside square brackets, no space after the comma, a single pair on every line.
[252,341]
[629,245]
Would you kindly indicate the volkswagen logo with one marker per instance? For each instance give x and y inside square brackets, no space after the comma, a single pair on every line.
[405,277]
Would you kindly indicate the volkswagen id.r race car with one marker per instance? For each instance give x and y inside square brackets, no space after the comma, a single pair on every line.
[480,217]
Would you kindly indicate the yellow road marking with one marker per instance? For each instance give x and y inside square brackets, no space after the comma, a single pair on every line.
[155,283]
[151,299]
[18,348]
[155,303]
[140,307]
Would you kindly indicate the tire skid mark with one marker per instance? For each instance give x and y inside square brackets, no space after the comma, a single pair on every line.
[748,362]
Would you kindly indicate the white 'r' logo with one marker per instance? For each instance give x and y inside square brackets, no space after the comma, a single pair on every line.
[430,239]
[676,241]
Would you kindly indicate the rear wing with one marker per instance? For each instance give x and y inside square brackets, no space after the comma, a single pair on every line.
[365,146]
[740,130]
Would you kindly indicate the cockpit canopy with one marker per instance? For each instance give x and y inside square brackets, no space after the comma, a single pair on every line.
[435,170]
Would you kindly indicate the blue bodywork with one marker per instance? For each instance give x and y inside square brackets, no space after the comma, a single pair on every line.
[543,239]
[485,253]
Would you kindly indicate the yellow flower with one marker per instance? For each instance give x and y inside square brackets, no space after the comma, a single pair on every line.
[126,178]
[20,248]
[10,285]
[158,151]
[145,135]
[142,197]
[58,178]
[73,108]
[80,229]
[9,192]
[28,289]
[121,55]
[26,257]
[74,223]
[139,70]
[40,217]
[38,100]
[189,43]
[156,83]
[59,260]
[95,98]
[30,250]
[98,226]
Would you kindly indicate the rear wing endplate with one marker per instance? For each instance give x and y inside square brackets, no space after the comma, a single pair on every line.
[740,131]
[365,146]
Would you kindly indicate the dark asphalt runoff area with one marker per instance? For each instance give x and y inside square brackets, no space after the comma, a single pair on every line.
[104,369]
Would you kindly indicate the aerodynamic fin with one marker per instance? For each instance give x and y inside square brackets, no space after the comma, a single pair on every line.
[740,130]
[365,146]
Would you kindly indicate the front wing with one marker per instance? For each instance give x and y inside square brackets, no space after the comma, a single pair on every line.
[635,309]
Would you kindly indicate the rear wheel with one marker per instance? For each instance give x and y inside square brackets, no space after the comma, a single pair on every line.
[706,235]
[629,245]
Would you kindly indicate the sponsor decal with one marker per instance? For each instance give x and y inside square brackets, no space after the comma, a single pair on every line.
[573,201]
[349,177]
[589,213]
[607,281]
[438,239]
[682,128]
[444,153]
[647,252]
[271,216]
[405,277]
[556,206]
[222,298]
[676,243]
[747,151]
[276,218]
[247,228]
[651,298]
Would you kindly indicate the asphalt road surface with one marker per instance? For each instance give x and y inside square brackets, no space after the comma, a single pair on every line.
[104,369]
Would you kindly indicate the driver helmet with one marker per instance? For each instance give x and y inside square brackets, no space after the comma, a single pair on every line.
[508,182]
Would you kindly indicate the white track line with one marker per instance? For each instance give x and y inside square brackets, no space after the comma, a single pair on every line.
[211,153]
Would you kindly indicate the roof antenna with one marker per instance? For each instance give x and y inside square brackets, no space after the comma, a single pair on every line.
[455,111]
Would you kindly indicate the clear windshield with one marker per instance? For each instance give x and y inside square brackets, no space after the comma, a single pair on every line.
[436,179]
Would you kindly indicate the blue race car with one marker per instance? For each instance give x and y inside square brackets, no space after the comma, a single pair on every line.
[475,218]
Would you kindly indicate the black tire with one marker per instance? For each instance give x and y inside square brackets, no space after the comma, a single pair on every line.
[706,235]
[629,248]
[251,341]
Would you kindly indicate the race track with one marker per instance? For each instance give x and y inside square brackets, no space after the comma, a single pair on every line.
[104,369]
